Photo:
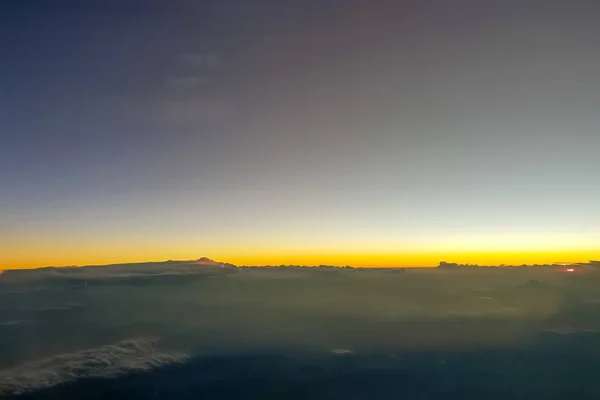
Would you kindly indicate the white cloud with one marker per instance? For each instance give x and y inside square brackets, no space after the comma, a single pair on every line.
[103,362]
[342,351]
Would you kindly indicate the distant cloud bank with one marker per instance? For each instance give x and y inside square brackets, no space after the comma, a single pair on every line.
[201,266]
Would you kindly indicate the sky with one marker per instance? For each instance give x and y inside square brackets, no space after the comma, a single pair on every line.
[299,132]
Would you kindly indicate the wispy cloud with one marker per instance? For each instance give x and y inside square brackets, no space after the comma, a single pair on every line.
[201,60]
[192,96]
[186,82]
[103,362]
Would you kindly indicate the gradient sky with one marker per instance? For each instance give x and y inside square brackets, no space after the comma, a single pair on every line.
[299,131]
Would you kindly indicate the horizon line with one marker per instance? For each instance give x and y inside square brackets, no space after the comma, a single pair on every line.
[305,265]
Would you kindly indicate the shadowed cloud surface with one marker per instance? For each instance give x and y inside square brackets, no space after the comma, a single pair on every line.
[206,330]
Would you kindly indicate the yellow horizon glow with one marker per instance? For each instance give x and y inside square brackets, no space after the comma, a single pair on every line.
[359,251]
[430,259]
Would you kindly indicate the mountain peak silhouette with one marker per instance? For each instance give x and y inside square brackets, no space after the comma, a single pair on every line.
[206,260]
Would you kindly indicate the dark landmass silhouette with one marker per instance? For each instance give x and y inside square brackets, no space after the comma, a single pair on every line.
[200,266]
[193,266]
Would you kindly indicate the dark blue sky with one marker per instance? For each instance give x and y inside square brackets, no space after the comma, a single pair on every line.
[233,127]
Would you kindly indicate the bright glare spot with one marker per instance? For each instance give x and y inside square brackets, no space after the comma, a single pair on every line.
[570,269]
